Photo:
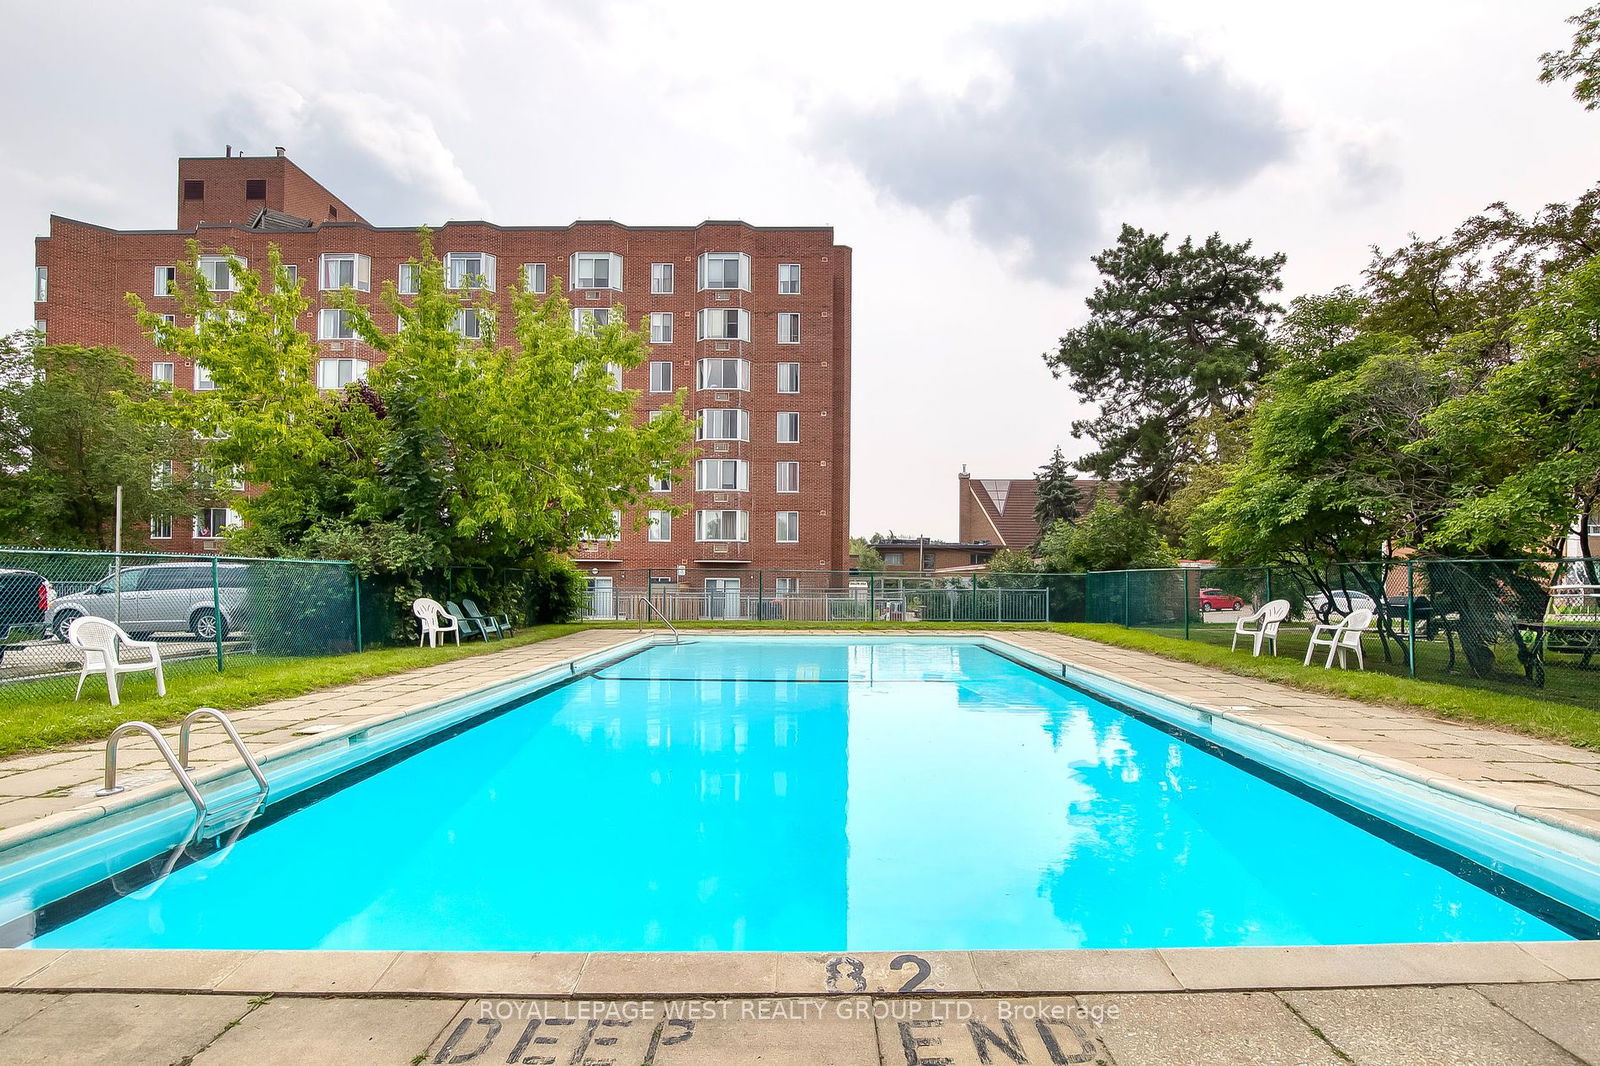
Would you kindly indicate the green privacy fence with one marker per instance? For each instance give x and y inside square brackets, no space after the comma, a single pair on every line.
[202,612]
[1505,624]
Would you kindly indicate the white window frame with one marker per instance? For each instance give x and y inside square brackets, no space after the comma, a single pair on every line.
[722,316]
[704,377]
[166,280]
[293,271]
[661,279]
[742,269]
[335,324]
[788,418]
[536,278]
[789,286]
[660,527]
[360,270]
[710,475]
[788,371]
[661,375]
[791,335]
[787,471]
[214,268]
[168,379]
[409,279]
[794,527]
[894,558]
[162,475]
[723,415]
[660,483]
[160,527]
[230,520]
[660,327]
[329,381]
[41,284]
[203,382]
[601,316]
[481,280]
[613,270]
[479,319]
[740,521]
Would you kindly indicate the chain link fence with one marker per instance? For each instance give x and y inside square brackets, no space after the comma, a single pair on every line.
[1509,625]
[203,613]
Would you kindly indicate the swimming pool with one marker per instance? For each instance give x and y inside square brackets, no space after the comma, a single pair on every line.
[811,794]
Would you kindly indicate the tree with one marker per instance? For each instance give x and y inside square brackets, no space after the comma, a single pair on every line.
[868,560]
[1579,64]
[1058,493]
[70,434]
[1174,334]
[1110,536]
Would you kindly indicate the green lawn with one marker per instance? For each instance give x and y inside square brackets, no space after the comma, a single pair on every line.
[43,723]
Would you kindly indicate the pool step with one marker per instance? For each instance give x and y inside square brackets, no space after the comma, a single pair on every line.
[179,765]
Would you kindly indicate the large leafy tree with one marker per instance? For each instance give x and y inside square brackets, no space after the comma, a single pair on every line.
[70,435]
[1175,334]
[1110,536]
[1058,493]
[1579,64]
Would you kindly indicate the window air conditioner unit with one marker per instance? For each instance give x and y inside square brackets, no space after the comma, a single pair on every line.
[721,497]
[724,297]
[720,549]
[591,295]
[337,346]
[723,397]
[721,447]
[724,346]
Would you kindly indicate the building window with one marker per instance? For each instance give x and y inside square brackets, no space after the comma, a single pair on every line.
[606,535]
[470,322]
[214,271]
[661,279]
[788,427]
[255,189]
[788,377]
[723,324]
[597,270]
[723,374]
[725,270]
[788,328]
[410,278]
[469,270]
[202,379]
[166,281]
[292,273]
[335,324]
[212,521]
[347,271]
[161,476]
[722,526]
[535,278]
[194,190]
[660,484]
[41,284]
[661,327]
[724,423]
[893,559]
[789,477]
[785,586]
[721,475]
[661,377]
[788,277]
[161,373]
[337,373]
[660,526]
[588,320]
[161,527]
[788,527]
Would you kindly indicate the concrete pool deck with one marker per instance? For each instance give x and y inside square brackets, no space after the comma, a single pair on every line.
[1512,1003]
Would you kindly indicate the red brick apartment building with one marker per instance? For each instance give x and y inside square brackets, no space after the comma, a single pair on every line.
[754,321]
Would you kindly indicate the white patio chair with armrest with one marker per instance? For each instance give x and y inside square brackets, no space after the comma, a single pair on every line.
[1342,638]
[1266,622]
[435,620]
[101,643]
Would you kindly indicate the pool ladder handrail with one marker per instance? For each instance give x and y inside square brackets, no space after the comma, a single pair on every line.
[178,763]
[651,603]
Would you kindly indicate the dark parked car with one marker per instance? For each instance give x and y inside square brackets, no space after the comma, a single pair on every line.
[25,597]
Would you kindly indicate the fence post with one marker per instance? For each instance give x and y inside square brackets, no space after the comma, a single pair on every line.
[216,610]
[761,594]
[872,597]
[1411,620]
[1186,604]
[1269,584]
[356,581]
[1126,594]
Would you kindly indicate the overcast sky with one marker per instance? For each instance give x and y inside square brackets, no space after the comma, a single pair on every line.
[974,155]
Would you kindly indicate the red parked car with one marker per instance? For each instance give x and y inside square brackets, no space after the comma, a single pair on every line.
[1217,600]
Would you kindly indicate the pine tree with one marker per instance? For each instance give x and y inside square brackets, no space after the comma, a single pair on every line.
[1057,491]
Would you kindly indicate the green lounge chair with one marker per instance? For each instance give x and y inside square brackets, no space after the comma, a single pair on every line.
[467,624]
[500,622]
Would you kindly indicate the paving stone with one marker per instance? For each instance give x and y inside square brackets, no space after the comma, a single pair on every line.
[1423,1027]
[645,973]
[1578,960]
[1073,971]
[18,1007]
[1209,1029]
[1565,1014]
[875,972]
[331,1032]
[1348,965]
[196,971]
[89,1029]
[483,973]
[980,1032]
[18,964]
[309,971]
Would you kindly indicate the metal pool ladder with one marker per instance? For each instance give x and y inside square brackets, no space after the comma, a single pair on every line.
[179,763]
[650,603]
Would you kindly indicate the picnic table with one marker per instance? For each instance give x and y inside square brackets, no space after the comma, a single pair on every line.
[1571,626]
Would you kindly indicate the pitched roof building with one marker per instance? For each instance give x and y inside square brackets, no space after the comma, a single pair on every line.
[999,511]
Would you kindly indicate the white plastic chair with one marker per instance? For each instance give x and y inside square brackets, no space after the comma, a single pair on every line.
[101,642]
[1342,637]
[1267,620]
[435,620]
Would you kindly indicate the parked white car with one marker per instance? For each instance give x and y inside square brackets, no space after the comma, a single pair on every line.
[1344,601]
[160,598]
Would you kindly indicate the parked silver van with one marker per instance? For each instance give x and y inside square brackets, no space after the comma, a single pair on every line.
[160,598]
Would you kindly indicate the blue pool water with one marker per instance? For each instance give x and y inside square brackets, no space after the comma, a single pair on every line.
[806,795]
